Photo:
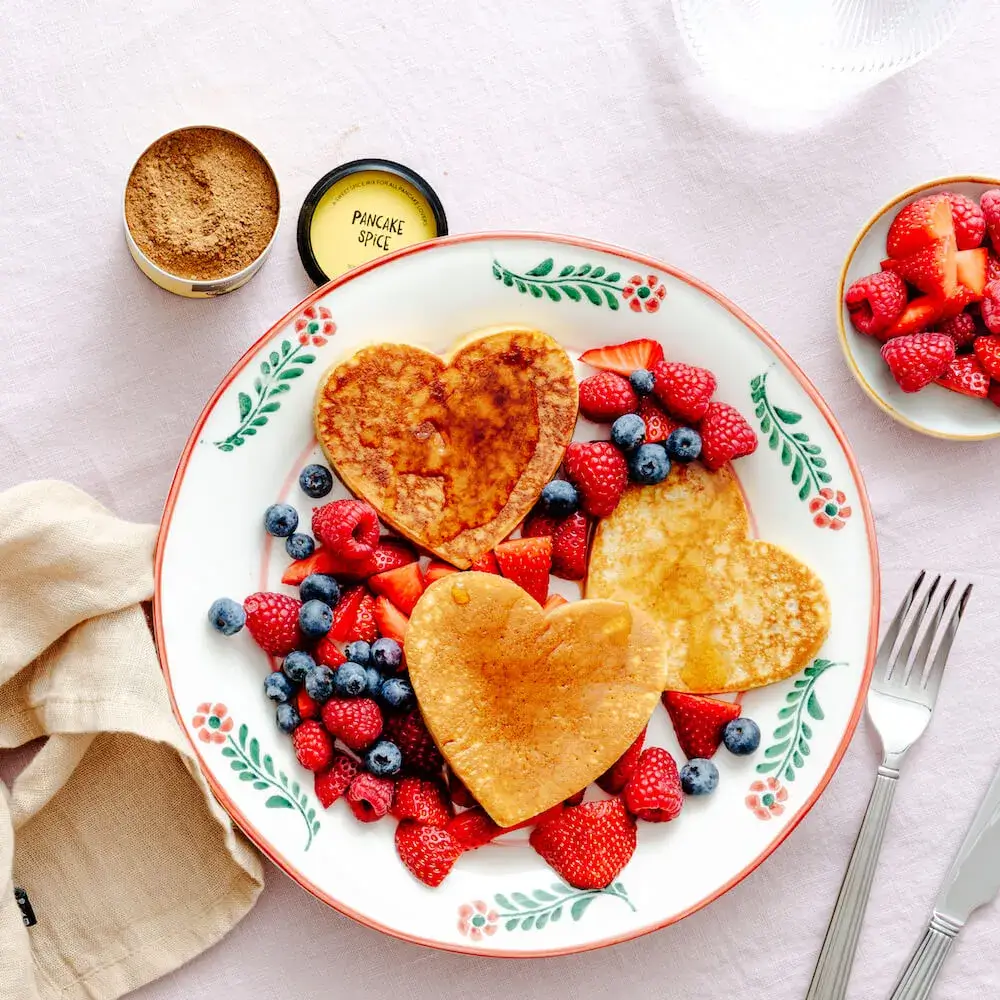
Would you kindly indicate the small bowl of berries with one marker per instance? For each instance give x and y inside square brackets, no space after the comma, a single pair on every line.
[919,308]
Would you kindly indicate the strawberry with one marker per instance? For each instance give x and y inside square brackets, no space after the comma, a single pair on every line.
[313,746]
[918,315]
[599,471]
[356,722]
[348,528]
[321,561]
[569,541]
[933,268]
[460,795]
[389,620]
[605,397]
[989,202]
[698,721]
[576,798]
[624,358]
[435,570]
[370,797]
[587,845]
[919,223]
[971,267]
[427,851]
[616,777]
[527,561]
[354,616]
[988,352]
[402,586]
[967,376]
[473,828]
[332,783]
[654,792]
[554,601]
[307,707]
[961,329]
[658,425]
[990,306]
[684,390]
[486,563]
[875,302]
[958,301]
[328,654]
[423,800]
[968,220]
[389,554]
[273,621]
[420,753]
[917,360]
[725,435]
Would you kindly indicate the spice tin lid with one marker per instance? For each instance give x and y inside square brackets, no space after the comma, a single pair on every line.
[362,210]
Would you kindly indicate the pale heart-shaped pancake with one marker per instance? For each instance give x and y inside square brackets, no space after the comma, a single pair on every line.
[529,707]
[451,453]
[751,613]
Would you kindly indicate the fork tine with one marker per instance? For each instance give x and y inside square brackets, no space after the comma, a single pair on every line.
[944,646]
[922,655]
[902,655]
[889,639]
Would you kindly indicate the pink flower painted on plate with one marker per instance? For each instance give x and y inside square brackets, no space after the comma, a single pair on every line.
[315,325]
[476,920]
[212,722]
[829,509]
[766,798]
[644,293]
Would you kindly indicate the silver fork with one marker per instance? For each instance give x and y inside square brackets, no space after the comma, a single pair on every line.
[904,687]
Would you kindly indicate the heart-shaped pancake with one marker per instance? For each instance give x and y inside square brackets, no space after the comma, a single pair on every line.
[751,613]
[529,707]
[452,454]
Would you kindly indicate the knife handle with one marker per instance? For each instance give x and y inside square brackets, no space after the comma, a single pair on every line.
[918,977]
[833,967]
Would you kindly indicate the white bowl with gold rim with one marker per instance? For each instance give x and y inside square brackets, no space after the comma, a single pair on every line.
[935,410]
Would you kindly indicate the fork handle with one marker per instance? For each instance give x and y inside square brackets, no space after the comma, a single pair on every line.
[833,967]
[925,963]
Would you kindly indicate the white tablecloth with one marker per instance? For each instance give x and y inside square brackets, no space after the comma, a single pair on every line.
[565,117]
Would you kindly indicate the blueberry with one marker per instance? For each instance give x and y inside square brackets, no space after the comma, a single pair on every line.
[374,682]
[296,665]
[350,680]
[299,546]
[397,692]
[387,655]
[560,498]
[315,618]
[642,381]
[287,717]
[684,444]
[320,587]
[278,687]
[227,616]
[316,481]
[741,736]
[280,520]
[699,777]
[319,683]
[628,432]
[384,759]
[649,464]
[359,652]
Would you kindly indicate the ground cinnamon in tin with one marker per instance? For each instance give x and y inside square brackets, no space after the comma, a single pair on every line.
[201,203]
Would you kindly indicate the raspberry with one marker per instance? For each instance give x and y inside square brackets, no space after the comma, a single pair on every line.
[356,722]
[917,360]
[989,202]
[313,746]
[273,621]
[989,309]
[605,397]
[599,471]
[961,329]
[348,528]
[875,302]
[370,797]
[654,791]
[420,753]
[970,224]
[725,435]
[423,800]
[684,390]
[569,541]
[332,783]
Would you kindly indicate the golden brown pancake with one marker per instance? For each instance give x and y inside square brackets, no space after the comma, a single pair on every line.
[529,707]
[750,612]
[452,454]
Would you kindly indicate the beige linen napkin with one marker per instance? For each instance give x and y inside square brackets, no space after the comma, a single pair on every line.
[131,866]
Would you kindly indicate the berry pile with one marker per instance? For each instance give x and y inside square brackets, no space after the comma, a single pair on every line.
[935,304]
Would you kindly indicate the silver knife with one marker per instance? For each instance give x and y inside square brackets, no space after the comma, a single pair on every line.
[972,881]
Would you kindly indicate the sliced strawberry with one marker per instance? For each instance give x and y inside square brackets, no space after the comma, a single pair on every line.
[624,358]
[402,586]
[920,314]
[327,653]
[321,561]
[390,553]
[554,601]
[486,563]
[988,352]
[569,541]
[659,426]
[389,620]
[957,303]
[527,562]
[933,268]
[967,376]
[919,223]
[354,616]
[971,268]
[435,570]
[698,721]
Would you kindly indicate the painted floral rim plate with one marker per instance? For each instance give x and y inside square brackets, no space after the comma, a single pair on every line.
[935,410]
[805,492]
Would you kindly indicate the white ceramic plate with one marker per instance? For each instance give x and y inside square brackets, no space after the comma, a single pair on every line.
[935,410]
[254,436]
